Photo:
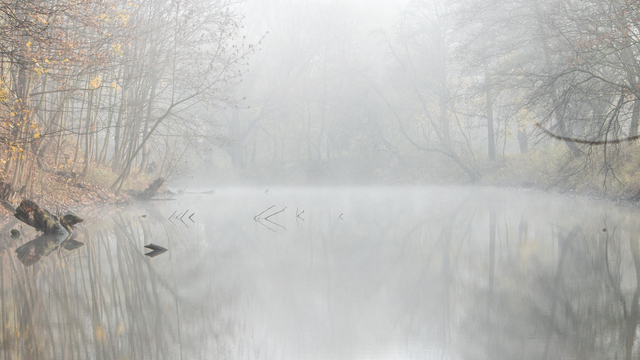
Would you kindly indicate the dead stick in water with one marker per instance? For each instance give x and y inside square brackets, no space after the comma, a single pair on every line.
[275,213]
[254,218]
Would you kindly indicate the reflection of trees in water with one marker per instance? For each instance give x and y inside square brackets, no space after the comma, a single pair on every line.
[104,301]
[466,279]
[579,302]
[504,282]
[423,254]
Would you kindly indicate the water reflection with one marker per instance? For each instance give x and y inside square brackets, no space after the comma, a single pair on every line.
[34,250]
[369,274]
[102,301]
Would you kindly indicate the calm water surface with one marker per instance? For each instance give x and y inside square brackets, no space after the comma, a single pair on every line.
[333,273]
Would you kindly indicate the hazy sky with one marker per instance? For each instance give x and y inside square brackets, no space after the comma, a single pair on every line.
[266,15]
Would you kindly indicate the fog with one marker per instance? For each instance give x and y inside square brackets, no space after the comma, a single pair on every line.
[309,109]
[364,92]
[322,92]
[428,179]
[357,92]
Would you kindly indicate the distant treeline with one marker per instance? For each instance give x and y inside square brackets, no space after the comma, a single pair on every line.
[462,82]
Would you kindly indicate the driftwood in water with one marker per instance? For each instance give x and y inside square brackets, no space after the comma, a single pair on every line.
[56,232]
[149,192]
[39,218]
[156,250]
[208,192]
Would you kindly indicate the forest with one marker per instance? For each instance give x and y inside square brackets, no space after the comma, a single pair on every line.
[533,93]
[527,93]
[101,90]
[222,99]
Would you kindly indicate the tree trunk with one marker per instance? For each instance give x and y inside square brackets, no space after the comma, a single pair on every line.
[489,104]
[635,115]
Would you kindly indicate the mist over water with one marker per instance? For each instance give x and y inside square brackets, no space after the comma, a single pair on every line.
[360,273]
[347,102]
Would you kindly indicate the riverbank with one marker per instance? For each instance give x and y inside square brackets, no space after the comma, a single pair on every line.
[65,191]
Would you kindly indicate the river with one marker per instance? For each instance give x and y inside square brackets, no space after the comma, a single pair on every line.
[334,273]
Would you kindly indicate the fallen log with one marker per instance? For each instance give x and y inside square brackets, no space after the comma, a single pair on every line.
[149,192]
[56,231]
[39,218]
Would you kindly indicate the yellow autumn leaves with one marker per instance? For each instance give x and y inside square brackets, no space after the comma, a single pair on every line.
[122,17]
[4,92]
[95,82]
[116,49]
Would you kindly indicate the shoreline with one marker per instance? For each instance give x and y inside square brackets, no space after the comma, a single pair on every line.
[77,198]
